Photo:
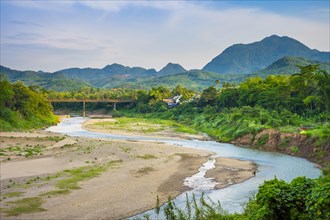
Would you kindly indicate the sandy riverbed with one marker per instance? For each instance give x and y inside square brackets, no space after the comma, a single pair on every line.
[134,130]
[146,170]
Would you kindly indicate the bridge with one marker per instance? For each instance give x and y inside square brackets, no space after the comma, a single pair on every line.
[114,101]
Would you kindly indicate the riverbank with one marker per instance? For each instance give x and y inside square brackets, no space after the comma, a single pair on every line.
[141,127]
[295,144]
[67,177]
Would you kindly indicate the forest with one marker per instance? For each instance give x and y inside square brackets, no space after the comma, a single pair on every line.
[23,108]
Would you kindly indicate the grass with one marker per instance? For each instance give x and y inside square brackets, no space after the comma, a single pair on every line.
[146,156]
[56,192]
[83,173]
[262,140]
[27,151]
[125,149]
[289,129]
[26,205]
[86,149]
[294,149]
[55,138]
[145,125]
[12,194]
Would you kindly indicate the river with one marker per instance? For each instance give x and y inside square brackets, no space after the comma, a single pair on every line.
[233,197]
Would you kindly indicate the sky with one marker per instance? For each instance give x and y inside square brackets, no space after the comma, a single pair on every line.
[51,35]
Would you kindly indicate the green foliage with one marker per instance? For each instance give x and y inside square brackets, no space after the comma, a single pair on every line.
[82,173]
[194,210]
[303,198]
[318,202]
[262,140]
[23,107]
[294,149]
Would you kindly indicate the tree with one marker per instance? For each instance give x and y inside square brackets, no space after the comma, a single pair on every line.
[208,96]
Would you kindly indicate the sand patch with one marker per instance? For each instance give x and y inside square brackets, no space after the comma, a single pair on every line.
[230,171]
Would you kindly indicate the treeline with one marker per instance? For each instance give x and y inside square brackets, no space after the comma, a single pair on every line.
[143,96]
[302,99]
[94,93]
[23,107]
[306,93]
[147,101]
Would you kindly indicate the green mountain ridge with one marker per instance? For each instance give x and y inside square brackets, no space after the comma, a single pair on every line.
[50,81]
[171,68]
[248,58]
[194,79]
[290,65]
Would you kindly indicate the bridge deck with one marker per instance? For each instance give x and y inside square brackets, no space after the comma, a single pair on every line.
[92,100]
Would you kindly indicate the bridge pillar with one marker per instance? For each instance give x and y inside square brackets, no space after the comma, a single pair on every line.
[84,109]
[114,106]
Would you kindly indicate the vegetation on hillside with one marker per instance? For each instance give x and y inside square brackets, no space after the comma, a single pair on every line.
[23,107]
[290,65]
[49,81]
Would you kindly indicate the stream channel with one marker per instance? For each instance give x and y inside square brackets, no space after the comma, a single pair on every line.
[232,198]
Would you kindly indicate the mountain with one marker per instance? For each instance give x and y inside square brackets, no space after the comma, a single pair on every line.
[51,81]
[290,65]
[248,58]
[193,79]
[115,75]
[115,69]
[118,69]
[171,68]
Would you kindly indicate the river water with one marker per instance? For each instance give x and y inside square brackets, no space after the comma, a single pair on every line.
[233,197]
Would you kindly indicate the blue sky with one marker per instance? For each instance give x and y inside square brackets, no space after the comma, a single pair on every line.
[53,35]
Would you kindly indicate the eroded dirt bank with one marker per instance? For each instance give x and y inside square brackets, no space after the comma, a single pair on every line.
[294,144]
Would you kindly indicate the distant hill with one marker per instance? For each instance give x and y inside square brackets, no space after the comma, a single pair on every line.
[51,81]
[115,69]
[194,79]
[171,68]
[248,58]
[117,75]
[290,65]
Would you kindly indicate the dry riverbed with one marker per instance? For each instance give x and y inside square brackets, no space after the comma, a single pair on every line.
[143,127]
[50,176]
